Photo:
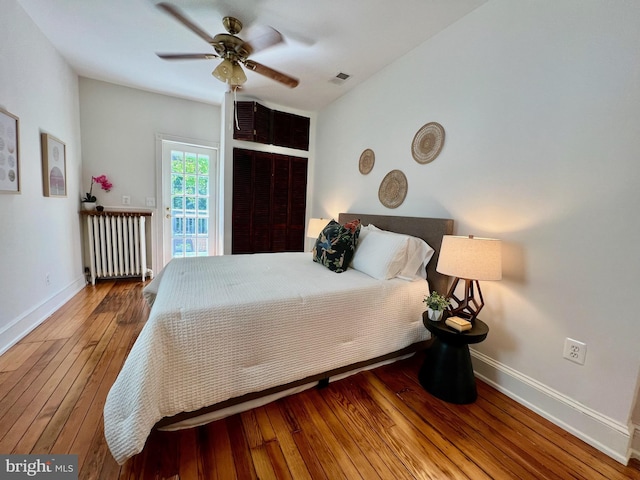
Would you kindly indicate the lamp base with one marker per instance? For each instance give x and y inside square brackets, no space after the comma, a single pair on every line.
[470,305]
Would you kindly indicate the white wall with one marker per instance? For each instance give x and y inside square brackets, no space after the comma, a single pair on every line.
[39,235]
[42,236]
[540,102]
[119,128]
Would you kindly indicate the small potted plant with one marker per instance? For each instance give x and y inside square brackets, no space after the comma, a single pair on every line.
[89,200]
[436,305]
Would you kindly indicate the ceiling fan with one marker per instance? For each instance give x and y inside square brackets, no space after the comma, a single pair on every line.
[232,49]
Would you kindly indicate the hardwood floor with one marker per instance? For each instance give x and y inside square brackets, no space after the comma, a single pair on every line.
[376,424]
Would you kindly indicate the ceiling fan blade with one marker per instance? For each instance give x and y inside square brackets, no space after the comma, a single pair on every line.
[187,56]
[267,39]
[176,13]
[283,78]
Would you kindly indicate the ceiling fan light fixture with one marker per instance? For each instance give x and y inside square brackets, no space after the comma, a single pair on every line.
[223,71]
[233,51]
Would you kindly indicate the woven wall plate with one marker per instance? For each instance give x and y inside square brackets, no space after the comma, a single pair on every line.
[393,189]
[367,160]
[427,143]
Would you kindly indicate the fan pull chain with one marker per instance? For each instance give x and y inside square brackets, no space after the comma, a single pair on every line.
[235,107]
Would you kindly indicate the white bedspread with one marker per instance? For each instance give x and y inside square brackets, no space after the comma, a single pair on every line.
[225,326]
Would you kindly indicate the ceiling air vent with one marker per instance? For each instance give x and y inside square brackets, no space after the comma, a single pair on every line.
[340,78]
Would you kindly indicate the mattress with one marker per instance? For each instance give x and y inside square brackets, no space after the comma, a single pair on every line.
[221,327]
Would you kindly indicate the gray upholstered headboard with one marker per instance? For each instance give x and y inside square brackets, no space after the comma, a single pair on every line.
[430,230]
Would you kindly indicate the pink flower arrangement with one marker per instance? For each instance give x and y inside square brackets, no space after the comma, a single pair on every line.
[104,183]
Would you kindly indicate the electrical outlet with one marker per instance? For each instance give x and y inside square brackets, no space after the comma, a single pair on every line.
[151,201]
[574,350]
[47,279]
[126,200]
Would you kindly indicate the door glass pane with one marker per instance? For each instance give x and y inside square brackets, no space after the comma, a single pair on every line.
[190,184]
[203,186]
[177,184]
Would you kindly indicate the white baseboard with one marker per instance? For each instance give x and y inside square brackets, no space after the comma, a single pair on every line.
[21,326]
[607,435]
[635,442]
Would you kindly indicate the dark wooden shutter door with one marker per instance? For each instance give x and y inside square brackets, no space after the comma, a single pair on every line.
[300,132]
[245,115]
[298,203]
[257,123]
[269,202]
[280,201]
[281,129]
[262,187]
[242,201]
[262,124]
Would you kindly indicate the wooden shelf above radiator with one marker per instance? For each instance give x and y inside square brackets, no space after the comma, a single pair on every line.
[121,213]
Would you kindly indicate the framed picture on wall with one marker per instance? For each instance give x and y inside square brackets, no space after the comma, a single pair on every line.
[54,166]
[9,153]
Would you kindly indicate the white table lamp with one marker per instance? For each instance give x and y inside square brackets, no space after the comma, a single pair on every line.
[470,259]
[315,226]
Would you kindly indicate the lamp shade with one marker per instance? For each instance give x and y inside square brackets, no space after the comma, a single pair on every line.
[238,76]
[470,257]
[316,225]
[223,71]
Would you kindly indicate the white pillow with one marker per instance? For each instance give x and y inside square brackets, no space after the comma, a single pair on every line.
[391,254]
[419,253]
[365,230]
[380,255]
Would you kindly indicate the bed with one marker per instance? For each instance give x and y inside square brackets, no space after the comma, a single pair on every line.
[226,330]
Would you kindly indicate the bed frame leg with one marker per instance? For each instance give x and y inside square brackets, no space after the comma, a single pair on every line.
[323,383]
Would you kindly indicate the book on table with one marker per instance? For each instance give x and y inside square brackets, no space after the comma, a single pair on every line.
[459,324]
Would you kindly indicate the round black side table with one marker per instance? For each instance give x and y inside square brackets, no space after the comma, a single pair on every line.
[447,372]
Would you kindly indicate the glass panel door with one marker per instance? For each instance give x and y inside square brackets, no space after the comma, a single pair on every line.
[190,200]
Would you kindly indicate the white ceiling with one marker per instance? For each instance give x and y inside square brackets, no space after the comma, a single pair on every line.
[116,41]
